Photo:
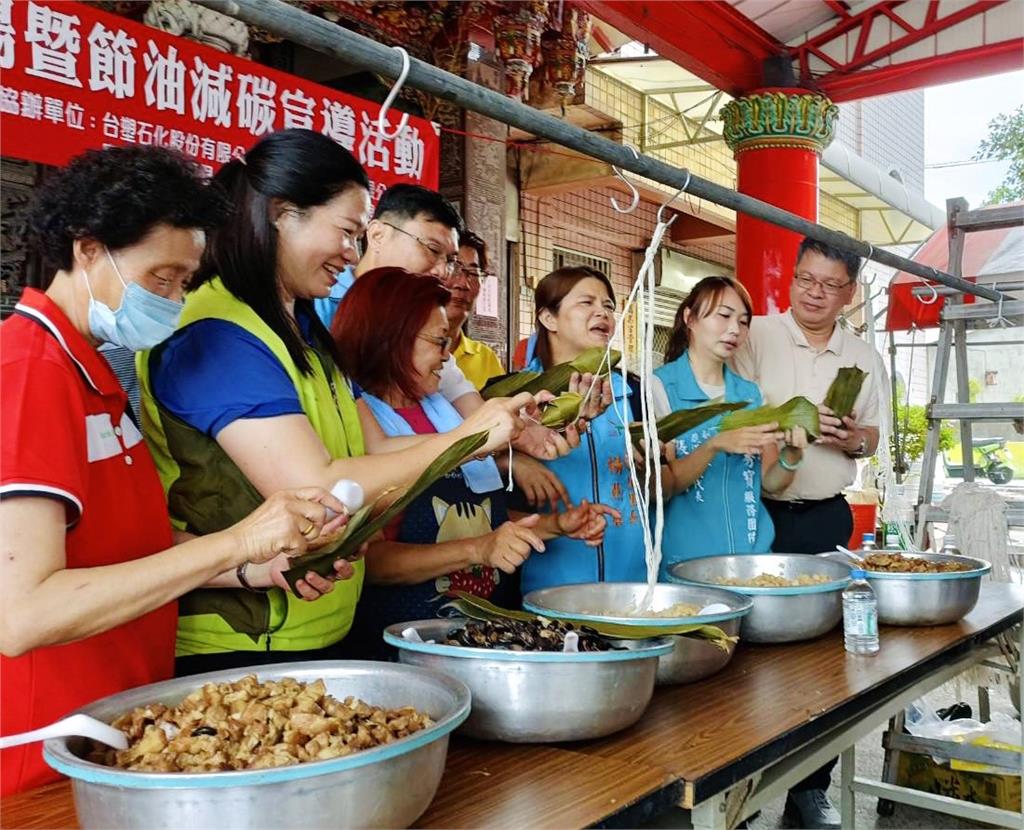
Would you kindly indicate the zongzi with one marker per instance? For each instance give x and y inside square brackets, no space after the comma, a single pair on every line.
[796,412]
[843,392]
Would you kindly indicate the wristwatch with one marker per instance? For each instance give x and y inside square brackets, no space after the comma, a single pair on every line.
[861,449]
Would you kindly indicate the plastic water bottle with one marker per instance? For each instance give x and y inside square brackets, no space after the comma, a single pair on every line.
[860,615]
[349,493]
[867,542]
[949,545]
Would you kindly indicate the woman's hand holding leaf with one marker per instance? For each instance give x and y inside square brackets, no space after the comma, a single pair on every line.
[310,588]
[597,394]
[290,522]
[746,440]
[499,418]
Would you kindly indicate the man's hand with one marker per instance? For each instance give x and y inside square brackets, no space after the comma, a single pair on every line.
[842,433]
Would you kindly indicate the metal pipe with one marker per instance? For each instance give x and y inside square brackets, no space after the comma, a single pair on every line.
[331,39]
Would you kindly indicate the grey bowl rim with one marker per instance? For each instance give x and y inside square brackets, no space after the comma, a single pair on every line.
[644,622]
[58,756]
[755,591]
[656,647]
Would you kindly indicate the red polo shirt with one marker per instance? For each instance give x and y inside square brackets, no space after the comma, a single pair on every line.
[65,434]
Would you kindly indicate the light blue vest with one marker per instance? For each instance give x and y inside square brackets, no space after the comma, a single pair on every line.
[722,511]
[596,471]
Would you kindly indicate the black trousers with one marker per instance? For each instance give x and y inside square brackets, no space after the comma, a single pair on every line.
[811,527]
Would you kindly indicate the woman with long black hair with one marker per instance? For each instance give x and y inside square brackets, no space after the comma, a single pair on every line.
[247,397]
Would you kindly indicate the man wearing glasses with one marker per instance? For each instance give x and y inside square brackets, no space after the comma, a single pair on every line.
[477,360]
[418,229]
[799,353]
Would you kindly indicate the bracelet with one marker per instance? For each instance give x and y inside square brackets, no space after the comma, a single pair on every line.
[240,573]
[786,466]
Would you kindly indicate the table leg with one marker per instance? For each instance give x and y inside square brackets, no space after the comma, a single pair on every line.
[848,804]
[710,814]
[984,705]
[891,761]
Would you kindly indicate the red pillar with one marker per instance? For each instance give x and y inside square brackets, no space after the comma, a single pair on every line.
[777,136]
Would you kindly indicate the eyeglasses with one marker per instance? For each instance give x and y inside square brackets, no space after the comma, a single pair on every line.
[807,282]
[451,261]
[472,273]
[443,343]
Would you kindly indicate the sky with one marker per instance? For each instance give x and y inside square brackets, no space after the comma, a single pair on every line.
[956,118]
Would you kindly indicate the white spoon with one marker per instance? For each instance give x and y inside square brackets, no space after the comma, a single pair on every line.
[853,556]
[83,725]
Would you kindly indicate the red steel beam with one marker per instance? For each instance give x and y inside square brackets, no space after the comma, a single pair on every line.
[864,21]
[840,8]
[710,39]
[977,62]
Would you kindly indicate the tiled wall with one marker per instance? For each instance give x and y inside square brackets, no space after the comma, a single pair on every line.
[888,131]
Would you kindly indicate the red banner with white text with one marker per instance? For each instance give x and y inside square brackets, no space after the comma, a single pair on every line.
[73,77]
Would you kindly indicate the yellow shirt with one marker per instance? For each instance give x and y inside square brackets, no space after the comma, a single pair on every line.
[478,361]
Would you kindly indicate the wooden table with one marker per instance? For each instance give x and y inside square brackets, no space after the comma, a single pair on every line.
[721,748]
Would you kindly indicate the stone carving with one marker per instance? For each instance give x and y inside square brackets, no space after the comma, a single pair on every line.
[790,118]
[186,19]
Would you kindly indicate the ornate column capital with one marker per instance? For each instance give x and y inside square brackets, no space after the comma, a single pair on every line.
[779,118]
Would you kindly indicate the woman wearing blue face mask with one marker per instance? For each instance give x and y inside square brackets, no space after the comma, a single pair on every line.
[90,572]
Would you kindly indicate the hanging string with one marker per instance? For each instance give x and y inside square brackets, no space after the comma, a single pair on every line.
[642,296]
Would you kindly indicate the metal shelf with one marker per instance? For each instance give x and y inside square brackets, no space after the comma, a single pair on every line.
[976,411]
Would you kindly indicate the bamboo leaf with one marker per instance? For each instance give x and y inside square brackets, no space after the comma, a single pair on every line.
[796,412]
[480,609]
[676,423]
[556,379]
[562,411]
[843,392]
[323,563]
[508,386]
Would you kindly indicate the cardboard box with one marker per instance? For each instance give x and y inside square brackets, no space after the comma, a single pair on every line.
[920,772]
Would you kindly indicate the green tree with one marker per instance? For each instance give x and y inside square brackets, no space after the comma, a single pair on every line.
[913,428]
[1006,142]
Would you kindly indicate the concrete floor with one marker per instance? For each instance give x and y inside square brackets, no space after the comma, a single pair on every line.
[869,765]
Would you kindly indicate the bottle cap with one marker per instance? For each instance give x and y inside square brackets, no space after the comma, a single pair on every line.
[858,573]
[350,494]
[867,537]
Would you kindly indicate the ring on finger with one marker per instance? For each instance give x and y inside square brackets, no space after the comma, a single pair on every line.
[309,532]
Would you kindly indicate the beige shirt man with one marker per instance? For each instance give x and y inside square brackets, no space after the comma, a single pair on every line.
[778,357]
[799,353]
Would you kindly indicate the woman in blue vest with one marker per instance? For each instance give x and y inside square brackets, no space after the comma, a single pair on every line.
[717,477]
[575,310]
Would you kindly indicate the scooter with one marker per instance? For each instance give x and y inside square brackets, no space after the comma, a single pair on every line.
[991,459]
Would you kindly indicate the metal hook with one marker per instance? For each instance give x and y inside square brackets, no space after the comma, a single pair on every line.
[930,287]
[999,321]
[871,251]
[676,195]
[636,194]
[382,124]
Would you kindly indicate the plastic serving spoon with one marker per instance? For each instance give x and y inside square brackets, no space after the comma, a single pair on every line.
[75,725]
[846,556]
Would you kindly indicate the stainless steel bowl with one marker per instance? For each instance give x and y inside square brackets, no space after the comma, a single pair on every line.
[691,659]
[927,598]
[389,786]
[539,696]
[778,615]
